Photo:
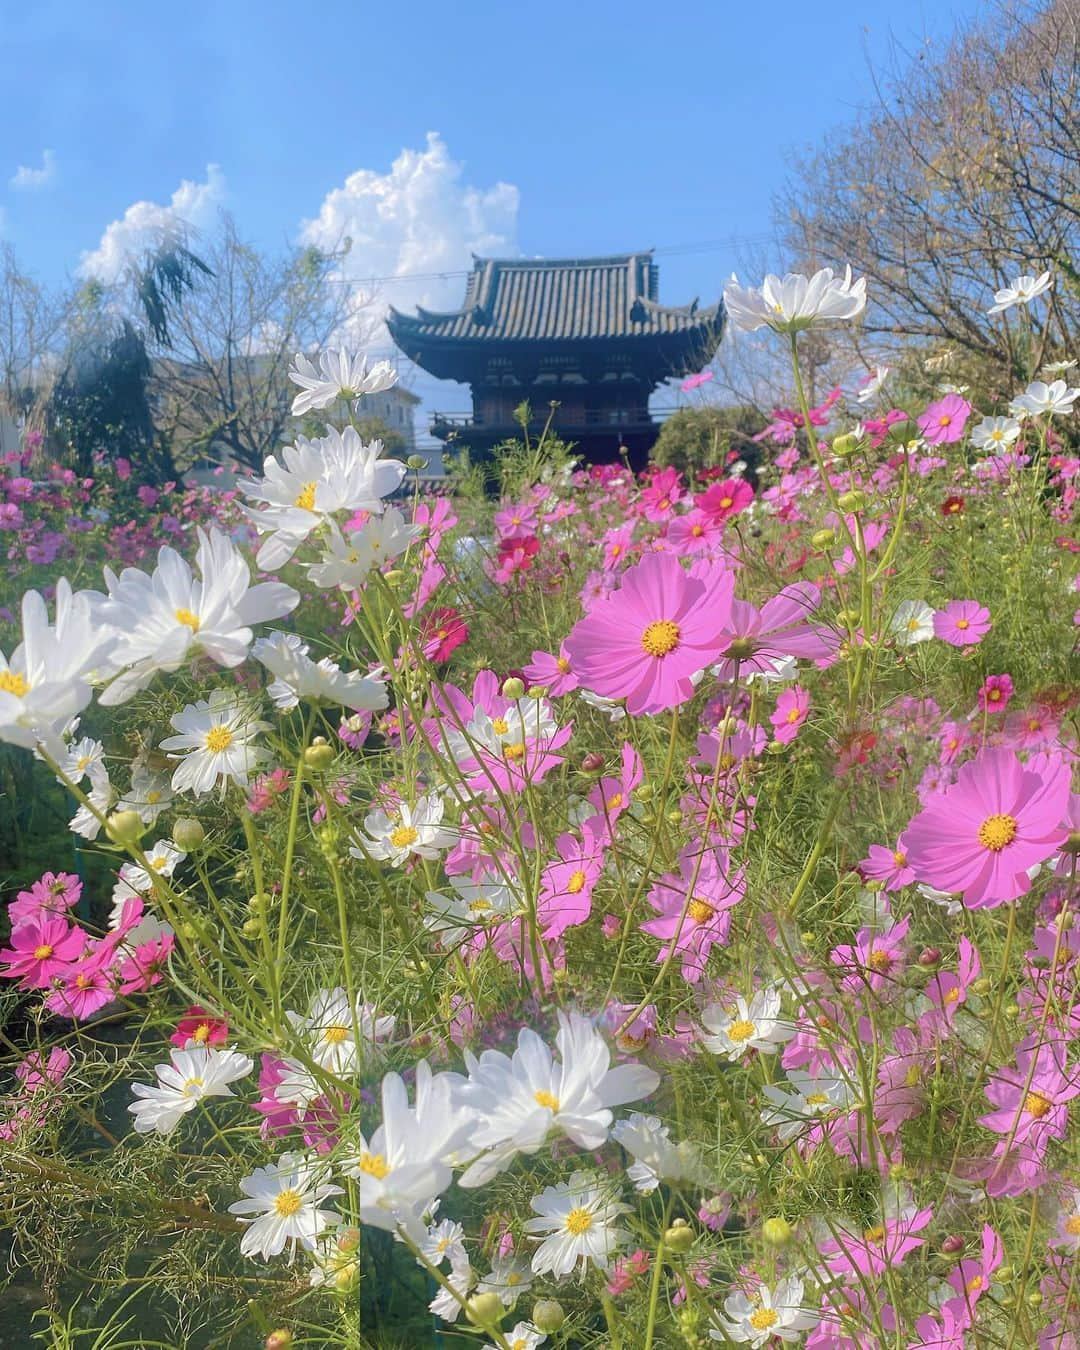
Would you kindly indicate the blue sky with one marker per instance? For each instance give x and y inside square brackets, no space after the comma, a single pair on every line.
[612,126]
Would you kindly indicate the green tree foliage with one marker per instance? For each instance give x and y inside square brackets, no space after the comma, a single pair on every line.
[701,438]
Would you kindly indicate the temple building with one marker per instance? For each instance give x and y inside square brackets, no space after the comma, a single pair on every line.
[587,334]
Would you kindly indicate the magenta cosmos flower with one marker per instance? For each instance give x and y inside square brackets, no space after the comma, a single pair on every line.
[943,422]
[980,836]
[756,640]
[693,921]
[40,950]
[962,623]
[791,710]
[646,641]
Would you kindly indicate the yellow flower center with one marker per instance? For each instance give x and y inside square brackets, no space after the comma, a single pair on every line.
[700,910]
[741,1030]
[306,499]
[153,797]
[614,801]
[480,906]
[794,715]
[43,952]
[287,1203]
[900,859]
[513,1279]
[373,1165]
[1035,1104]
[725,502]
[974,1284]
[83,981]
[515,751]
[997,831]
[817,1099]
[218,739]
[963,623]
[576,882]
[188,618]
[13,683]
[880,961]
[875,1234]
[952,995]
[1072,1225]
[201,1034]
[563,665]
[660,637]
[578,1221]
[158,864]
[912,625]
[192,1086]
[944,420]
[498,726]
[764,1318]
[403,836]
[548,1100]
[335,1035]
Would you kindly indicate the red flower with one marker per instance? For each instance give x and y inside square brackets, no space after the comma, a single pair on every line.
[952,506]
[443,632]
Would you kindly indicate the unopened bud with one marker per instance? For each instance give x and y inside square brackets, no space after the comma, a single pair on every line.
[929,956]
[124,827]
[904,431]
[514,688]
[319,755]
[1004,1274]
[188,833]
[485,1310]
[416,463]
[776,747]
[777,1232]
[674,816]
[258,902]
[845,445]
[252,928]
[849,617]
[644,792]
[592,763]
[822,539]
[537,691]
[1072,844]
[851,501]
[1034,1299]
[279,1340]
[952,1245]
[679,1238]
[394,577]
[981,986]
[548,1315]
[348,1240]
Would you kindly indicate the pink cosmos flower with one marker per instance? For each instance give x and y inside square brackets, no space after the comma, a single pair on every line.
[971,1278]
[644,642]
[890,866]
[515,521]
[617,546]
[318,1123]
[754,640]
[42,949]
[693,922]
[876,960]
[555,673]
[792,708]
[201,1027]
[874,1249]
[952,739]
[721,501]
[962,623]
[943,422]
[948,990]
[693,382]
[900,1092]
[52,893]
[566,886]
[1031,1100]
[995,693]
[85,987]
[355,729]
[980,836]
[659,498]
[694,532]
[611,796]
[442,631]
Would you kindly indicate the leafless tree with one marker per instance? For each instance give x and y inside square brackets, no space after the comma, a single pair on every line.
[963,175]
[32,325]
[221,389]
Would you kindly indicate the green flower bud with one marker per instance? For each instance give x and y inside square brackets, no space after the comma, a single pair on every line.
[252,928]
[416,463]
[674,817]
[124,827]
[319,755]
[845,445]
[776,748]
[777,1232]
[851,501]
[548,1315]
[1034,1299]
[537,691]
[679,1238]
[822,539]
[513,688]
[188,833]
[394,578]
[280,1339]
[485,1310]
[258,902]
[1004,1274]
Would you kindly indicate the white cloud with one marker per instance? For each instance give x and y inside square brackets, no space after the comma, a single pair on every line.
[26,179]
[421,217]
[192,206]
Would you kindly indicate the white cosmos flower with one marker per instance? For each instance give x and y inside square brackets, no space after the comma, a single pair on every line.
[150,793]
[522,1336]
[775,1312]
[281,1207]
[951,904]
[1053,400]
[315,479]
[455,918]
[165,617]
[217,734]
[995,433]
[163,860]
[872,385]
[520,1100]
[330,1031]
[412,831]
[461,1280]
[193,1074]
[756,1025]
[809,1098]
[82,758]
[510,1277]
[579,1223]
[285,655]
[444,1241]
[1059,367]
[339,374]
[912,623]
[407,1162]
[1023,290]
[86,823]
[793,302]
[378,541]
[648,1140]
[46,681]
[613,711]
